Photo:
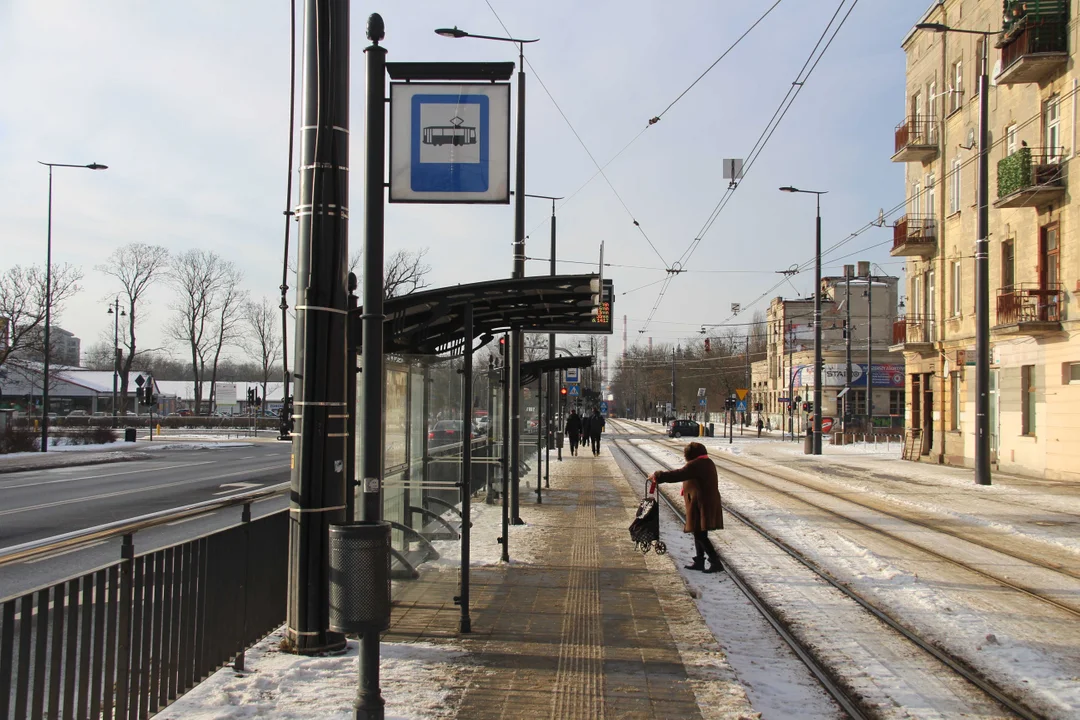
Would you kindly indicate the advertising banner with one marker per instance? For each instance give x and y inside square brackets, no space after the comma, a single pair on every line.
[886,375]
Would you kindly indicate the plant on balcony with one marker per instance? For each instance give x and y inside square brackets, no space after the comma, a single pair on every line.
[1014,172]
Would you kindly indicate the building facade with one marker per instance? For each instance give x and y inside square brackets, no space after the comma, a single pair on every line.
[1033,262]
[856,308]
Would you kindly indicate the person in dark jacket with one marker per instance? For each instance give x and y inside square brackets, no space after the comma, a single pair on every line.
[701,495]
[596,428]
[573,430]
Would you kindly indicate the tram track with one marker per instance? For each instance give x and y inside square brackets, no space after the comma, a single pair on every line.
[744,471]
[830,681]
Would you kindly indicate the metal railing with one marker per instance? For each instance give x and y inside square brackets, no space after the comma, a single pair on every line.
[916,130]
[911,329]
[1029,302]
[1040,37]
[125,640]
[914,230]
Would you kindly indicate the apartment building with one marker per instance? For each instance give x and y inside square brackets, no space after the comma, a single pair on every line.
[1033,260]
[855,307]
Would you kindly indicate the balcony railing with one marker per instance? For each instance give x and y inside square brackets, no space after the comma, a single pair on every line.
[1030,177]
[916,139]
[913,329]
[914,235]
[1034,41]
[1030,303]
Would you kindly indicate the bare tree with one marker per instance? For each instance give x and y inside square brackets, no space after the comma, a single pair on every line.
[404,272]
[201,279]
[263,340]
[136,266]
[228,316]
[22,308]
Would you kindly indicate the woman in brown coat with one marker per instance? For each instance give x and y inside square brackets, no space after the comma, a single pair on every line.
[701,495]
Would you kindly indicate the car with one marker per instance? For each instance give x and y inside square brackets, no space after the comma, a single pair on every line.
[78,413]
[683,428]
[445,432]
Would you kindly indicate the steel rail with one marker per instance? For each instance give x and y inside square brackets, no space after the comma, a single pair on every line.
[119,528]
[830,683]
[954,663]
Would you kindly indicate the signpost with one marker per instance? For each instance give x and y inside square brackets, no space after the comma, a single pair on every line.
[450,142]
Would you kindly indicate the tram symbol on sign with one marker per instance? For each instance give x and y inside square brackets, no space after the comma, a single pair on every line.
[456,133]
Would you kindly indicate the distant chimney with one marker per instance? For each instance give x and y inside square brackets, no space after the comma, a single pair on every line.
[864,268]
[849,271]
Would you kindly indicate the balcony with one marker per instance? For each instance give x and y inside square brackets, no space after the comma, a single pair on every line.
[1029,309]
[914,236]
[1031,177]
[913,334]
[1034,41]
[916,139]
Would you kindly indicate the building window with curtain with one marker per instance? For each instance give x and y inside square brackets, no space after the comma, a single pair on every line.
[954,196]
[957,288]
[956,97]
[1052,128]
[954,401]
[1027,400]
[896,402]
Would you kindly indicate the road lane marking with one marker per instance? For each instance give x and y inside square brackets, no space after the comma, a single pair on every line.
[50,556]
[249,457]
[97,477]
[133,491]
[237,486]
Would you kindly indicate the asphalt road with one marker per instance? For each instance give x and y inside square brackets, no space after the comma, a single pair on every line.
[45,503]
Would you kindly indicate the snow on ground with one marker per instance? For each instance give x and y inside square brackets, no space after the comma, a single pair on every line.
[416,681]
[1013,650]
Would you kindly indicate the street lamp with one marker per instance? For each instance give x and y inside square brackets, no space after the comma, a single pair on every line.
[816,445]
[48,304]
[117,314]
[519,261]
[551,343]
[982,263]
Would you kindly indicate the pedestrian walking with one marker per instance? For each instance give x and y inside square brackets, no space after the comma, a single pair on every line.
[573,431]
[701,496]
[596,428]
[760,425]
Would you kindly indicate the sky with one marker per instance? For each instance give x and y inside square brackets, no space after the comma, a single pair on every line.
[188,105]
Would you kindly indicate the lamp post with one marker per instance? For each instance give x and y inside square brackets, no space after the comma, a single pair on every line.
[982,263]
[551,348]
[48,304]
[117,314]
[516,335]
[817,317]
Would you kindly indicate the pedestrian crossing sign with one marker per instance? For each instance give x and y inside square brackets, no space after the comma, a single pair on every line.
[574,391]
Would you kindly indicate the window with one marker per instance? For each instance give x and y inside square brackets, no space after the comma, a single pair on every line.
[1052,127]
[916,198]
[896,402]
[954,401]
[931,111]
[930,310]
[978,61]
[1070,373]
[858,402]
[957,298]
[1027,399]
[1010,139]
[931,196]
[954,196]
[1008,268]
[957,95]
[1049,267]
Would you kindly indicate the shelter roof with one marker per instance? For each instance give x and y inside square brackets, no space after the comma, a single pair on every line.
[531,371]
[432,322]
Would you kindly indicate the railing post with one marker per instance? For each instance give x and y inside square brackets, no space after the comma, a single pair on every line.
[123,652]
[245,519]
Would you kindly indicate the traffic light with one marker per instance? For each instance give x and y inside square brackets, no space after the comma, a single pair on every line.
[562,392]
[808,407]
[502,345]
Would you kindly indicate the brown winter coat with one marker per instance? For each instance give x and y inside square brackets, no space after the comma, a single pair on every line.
[700,493]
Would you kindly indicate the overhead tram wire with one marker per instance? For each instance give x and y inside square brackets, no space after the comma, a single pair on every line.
[582,143]
[774,122]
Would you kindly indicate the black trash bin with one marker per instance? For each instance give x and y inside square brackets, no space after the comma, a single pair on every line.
[129,434]
[359,577]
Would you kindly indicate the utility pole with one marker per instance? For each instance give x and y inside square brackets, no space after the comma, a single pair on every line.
[317,499]
[849,270]
[674,407]
[869,351]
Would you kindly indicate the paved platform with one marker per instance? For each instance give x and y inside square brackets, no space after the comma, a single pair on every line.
[588,628]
